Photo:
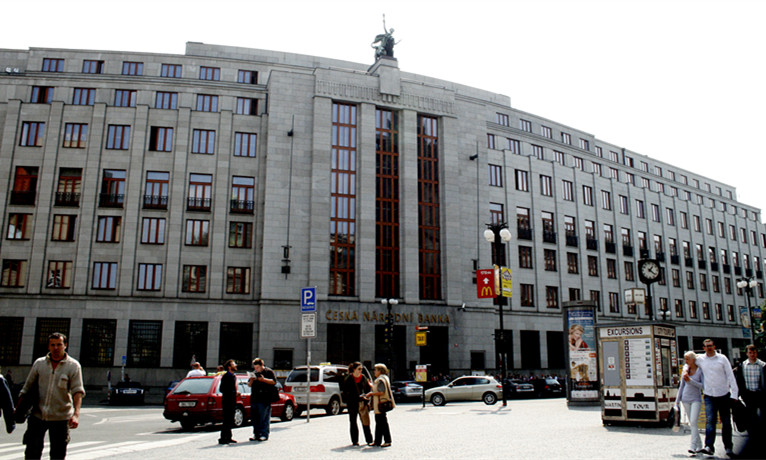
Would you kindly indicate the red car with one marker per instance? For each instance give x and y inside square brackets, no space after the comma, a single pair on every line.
[197,400]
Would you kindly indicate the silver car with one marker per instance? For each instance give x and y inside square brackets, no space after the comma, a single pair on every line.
[467,388]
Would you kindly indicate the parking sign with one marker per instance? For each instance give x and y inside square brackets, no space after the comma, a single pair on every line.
[309,300]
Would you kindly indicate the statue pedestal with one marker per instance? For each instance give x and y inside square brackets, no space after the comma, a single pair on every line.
[387,70]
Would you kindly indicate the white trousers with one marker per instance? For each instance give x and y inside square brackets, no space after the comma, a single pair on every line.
[692,410]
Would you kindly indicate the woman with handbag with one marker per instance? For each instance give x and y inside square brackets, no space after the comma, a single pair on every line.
[689,393]
[382,402]
[355,389]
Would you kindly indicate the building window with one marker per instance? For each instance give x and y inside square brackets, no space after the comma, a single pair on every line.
[538,152]
[671,216]
[578,163]
[624,208]
[45,327]
[549,255]
[238,280]
[156,193]
[98,340]
[592,266]
[689,280]
[203,141]
[514,146]
[209,73]
[491,141]
[89,66]
[246,106]
[207,103]
[14,275]
[190,343]
[18,226]
[32,133]
[171,70]
[112,189]
[242,191]
[495,175]
[596,168]
[595,296]
[197,232]
[245,144]
[236,343]
[75,135]
[559,157]
[522,180]
[153,230]
[525,125]
[53,65]
[69,187]
[546,132]
[655,213]
[614,302]
[166,100]
[160,139]
[108,229]
[692,309]
[125,98]
[149,277]
[730,313]
[118,137]
[41,95]
[573,263]
[84,96]
[24,190]
[387,246]
[527,295]
[247,76]
[240,234]
[629,271]
[194,278]
[551,296]
[132,68]
[525,257]
[428,208]
[144,343]
[611,269]
[502,119]
[587,195]
[684,220]
[566,138]
[567,187]
[200,192]
[104,275]
[59,274]
[606,200]
[63,227]
[584,144]
[546,187]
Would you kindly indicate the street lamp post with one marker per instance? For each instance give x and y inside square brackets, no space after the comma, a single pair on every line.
[389,331]
[497,233]
[748,284]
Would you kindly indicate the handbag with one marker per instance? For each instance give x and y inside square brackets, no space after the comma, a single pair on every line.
[739,415]
[27,402]
[385,406]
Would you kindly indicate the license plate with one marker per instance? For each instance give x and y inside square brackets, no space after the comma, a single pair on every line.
[187,404]
[130,392]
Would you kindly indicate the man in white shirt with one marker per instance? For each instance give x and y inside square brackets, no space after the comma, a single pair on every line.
[720,389]
[196,371]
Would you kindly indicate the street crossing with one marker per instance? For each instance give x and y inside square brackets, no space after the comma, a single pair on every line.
[88,450]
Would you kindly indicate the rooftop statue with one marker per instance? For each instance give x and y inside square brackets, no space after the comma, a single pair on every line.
[384,43]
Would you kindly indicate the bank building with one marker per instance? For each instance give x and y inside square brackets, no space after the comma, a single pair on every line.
[160,208]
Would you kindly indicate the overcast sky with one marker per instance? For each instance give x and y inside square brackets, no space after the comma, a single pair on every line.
[679,81]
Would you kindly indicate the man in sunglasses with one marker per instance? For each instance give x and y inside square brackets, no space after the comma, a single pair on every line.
[720,390]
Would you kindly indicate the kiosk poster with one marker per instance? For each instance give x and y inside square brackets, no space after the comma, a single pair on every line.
[582,348]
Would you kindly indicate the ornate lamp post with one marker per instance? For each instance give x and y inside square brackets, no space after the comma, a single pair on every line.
[497,233]
[748,284]
[389,331]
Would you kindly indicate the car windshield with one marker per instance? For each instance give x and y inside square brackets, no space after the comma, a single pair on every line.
[199,386]
[299,375]
[128,385]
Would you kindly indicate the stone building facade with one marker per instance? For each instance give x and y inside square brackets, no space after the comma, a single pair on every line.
[164,208]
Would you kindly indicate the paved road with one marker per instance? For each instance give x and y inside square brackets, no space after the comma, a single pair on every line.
[525,429]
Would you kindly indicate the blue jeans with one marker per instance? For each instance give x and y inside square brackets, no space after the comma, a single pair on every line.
[260,412]
[718,405]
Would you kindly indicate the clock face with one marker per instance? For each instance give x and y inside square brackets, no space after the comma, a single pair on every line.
[650,270]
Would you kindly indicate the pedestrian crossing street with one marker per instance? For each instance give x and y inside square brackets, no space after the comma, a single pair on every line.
[87,450]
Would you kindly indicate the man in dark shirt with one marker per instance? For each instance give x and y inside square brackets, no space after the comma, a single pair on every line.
[264,393]
[228,401]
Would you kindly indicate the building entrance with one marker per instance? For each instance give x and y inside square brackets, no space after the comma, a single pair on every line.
[395,357]
[343,343]
[436,352]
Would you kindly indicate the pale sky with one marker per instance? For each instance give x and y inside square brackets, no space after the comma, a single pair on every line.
[679,81]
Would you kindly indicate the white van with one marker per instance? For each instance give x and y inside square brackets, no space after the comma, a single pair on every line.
[326,381]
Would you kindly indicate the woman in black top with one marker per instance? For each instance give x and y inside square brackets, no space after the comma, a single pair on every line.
[355,387]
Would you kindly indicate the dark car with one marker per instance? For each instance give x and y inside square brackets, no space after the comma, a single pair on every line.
[548,388]
[197,400]
[515,388]
[129,393]
[407,390]
[172,384]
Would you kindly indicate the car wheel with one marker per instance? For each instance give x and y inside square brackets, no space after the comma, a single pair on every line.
[287,413]
[334,407]
[437,399]
[239,416]
[489,398]
[187,425]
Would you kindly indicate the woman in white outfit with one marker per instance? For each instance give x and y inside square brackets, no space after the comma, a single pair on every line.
[690,394]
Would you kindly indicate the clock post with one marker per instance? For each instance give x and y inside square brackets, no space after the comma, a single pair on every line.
[648,273]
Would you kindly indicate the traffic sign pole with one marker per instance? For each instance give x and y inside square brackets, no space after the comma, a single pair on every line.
[308,321]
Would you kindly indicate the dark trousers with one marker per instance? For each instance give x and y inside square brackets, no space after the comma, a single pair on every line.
[35,437]
[228,422]
[353,413]
[714,406]
[382,432]
[260,412]
[756,432]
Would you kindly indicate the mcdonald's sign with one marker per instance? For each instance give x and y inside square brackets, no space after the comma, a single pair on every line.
[485,284]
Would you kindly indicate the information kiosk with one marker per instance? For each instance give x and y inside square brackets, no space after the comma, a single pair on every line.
[639,379]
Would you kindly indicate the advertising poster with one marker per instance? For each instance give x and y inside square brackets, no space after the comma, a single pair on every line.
[744,319]
[582,348]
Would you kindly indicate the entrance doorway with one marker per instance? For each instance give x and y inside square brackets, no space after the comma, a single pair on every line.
[436,351]
[343,343]
[396,360]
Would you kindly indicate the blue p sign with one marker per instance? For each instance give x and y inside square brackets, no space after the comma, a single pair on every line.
[308,300]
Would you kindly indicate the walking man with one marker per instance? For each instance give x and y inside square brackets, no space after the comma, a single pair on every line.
[57,379]
[263,394]
[228,401]
[720,389]
[752,387]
